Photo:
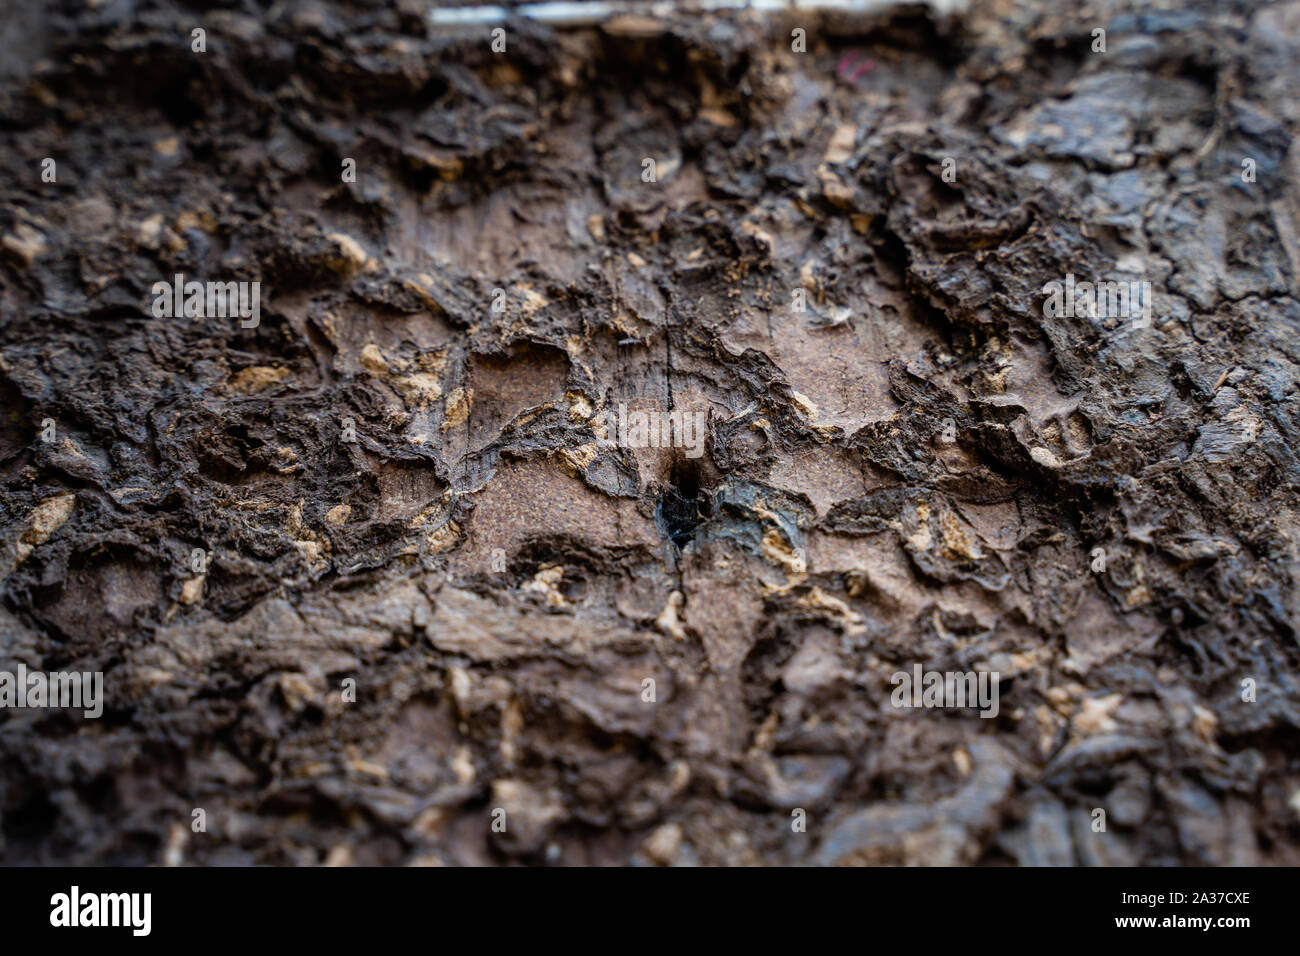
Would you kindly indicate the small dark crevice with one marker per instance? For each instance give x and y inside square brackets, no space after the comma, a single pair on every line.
[681,508]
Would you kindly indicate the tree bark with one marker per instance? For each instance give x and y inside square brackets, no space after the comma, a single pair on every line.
[392,569]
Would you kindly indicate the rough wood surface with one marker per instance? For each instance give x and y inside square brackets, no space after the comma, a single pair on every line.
[499,576]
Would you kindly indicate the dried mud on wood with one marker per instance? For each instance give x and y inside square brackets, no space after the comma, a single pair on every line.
[499,578]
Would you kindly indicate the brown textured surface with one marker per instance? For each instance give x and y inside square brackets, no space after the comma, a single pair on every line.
[1171,448]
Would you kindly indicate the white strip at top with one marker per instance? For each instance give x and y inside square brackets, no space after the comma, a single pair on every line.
[572,13]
